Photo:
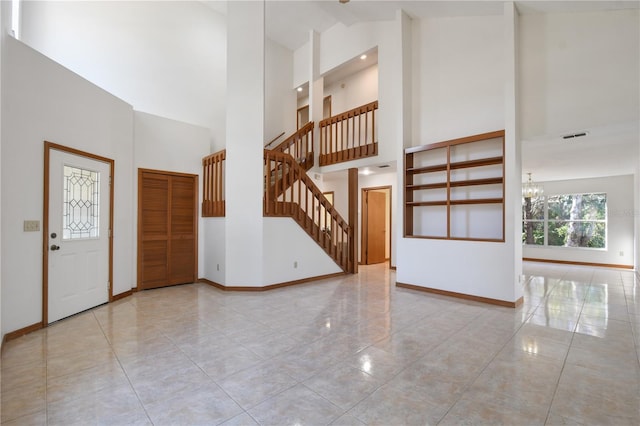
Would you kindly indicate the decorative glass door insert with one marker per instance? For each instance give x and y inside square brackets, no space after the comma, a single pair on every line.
[80,204]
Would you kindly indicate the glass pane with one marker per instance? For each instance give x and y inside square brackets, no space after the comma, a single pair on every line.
[80,204]
[533,208]
[593,207]
[559,207]
[577,234]
[578,207]
[533,233]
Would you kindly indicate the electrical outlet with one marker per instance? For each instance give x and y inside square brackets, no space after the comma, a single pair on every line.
[295,264]
[621,253]
[31,226]
[217,267]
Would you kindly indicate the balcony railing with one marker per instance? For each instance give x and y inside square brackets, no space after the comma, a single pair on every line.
[349,135]
[213,204]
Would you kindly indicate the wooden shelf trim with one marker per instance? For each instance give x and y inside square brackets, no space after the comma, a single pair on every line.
[490,161]
[456,183]
[476,163]
[474,138]
[455,202]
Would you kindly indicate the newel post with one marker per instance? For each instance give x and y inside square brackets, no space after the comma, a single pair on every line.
[353,219]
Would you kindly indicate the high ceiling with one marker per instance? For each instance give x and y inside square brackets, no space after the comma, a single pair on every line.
[605,151]
[289,22]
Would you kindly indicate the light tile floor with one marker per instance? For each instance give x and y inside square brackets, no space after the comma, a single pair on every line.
[348,351]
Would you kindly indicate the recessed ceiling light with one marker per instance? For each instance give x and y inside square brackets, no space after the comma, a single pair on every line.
[299,89]
[366,172]
[363,57]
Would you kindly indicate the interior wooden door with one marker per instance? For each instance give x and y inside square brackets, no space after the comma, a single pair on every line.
[375,227]
[167,229]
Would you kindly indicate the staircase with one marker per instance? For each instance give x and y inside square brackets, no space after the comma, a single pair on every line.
[290,192]
[299,146]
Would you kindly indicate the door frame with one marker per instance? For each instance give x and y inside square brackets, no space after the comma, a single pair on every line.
[196,218]
[364,237]
[48,146]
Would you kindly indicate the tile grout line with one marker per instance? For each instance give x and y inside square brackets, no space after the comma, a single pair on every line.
[124,370]
[470,384]
[564,361]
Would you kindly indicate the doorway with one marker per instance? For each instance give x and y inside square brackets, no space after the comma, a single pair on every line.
[77,232]
[376,225]
[167,228]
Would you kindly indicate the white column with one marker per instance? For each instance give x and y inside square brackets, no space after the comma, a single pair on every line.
[3,32]
[245,139]
[316,91]
[512,160]
[404,117]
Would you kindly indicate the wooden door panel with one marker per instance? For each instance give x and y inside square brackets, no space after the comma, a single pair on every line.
[182,255]
[155,266]
[182,202]
[155,206]
[376,227]
[168,229]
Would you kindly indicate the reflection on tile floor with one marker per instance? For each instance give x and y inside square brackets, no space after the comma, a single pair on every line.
[353,350]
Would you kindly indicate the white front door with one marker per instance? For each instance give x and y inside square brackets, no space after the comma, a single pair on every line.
[78,257]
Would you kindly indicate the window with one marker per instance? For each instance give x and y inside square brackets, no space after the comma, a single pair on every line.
[80,205]
[567,220]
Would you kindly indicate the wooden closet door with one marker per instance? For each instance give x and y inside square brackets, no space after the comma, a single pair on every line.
[183,231]
[167,229]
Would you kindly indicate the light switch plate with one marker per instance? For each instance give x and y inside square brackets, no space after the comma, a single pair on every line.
[31,225]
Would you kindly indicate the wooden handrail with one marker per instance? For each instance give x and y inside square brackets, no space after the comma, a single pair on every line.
[290,192]
[274,139]
[299,145]
[349,135]
[213,200]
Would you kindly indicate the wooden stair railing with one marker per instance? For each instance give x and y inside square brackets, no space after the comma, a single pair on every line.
[213,204]
[349,135]
[290,192]
[299,145]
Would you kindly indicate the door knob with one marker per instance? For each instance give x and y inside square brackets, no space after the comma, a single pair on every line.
[55,247]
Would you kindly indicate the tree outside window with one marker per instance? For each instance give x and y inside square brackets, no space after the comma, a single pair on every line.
[570,220]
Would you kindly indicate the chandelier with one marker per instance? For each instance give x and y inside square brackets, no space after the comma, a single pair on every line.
[531,189]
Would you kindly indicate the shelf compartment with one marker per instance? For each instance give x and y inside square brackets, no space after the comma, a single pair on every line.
[464,180]
[457,183]
[476,163]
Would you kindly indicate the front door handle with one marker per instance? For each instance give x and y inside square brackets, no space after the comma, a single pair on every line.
[55,247]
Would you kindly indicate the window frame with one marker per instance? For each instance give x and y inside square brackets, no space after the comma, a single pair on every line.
[546,221]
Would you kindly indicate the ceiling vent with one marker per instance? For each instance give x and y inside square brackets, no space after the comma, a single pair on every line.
[384,166]
[575,135]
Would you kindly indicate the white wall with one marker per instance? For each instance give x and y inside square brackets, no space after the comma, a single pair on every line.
[355,90]
[620,222]
[214,256]
[41,101]
[301,70]
[280,97]
[458,78]
[281,253]
[568,63]
[164,58]
[169,145]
